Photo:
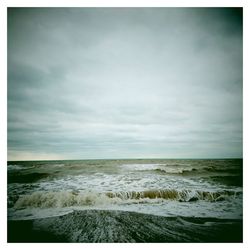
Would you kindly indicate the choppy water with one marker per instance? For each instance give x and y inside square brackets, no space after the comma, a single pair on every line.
[169,188]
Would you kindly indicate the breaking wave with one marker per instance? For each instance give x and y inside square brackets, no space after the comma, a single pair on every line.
[188,171]
[182,169]
[69,198]
[163,168]
[175,171]
[17,167]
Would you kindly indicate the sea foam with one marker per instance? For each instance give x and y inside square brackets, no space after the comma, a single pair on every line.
[69,198]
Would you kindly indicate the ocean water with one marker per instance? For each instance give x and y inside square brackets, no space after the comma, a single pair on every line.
[126,200]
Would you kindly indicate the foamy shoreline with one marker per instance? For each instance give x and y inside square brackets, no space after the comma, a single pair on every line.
[121,226]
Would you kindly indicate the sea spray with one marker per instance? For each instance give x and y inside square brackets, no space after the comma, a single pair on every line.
[69,198]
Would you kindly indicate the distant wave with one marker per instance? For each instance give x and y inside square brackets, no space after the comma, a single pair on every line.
[178,168]
[163,168]
[15,167]
[68,198]
[188,171]
[175,171]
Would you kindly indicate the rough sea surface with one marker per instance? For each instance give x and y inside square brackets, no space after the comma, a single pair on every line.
[125,201]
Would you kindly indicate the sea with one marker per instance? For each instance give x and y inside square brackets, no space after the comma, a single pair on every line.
[135,200]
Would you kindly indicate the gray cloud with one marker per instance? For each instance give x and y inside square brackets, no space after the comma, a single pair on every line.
[124,82]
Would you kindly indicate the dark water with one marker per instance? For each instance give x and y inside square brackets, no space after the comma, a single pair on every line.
[167,200]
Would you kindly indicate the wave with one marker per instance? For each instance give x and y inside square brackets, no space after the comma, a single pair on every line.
[194,171]
[175,171]
[172,194]
[15,167]
[69,198]
[163,168]
[18,167]
[179,169]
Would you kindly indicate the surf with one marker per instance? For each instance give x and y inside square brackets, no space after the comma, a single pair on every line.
[44,199]
[121,226]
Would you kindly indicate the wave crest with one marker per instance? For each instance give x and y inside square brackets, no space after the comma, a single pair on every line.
[69,198]
[172,194]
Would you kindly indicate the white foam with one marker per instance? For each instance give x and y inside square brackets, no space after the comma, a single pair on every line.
[168,169]
[90,188]
[141,166]
[15,167]
[232,210]
[122,182]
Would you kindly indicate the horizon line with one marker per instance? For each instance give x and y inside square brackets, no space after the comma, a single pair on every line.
[139,158]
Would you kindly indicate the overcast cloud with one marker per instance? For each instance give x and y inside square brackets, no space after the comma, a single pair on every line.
[124,83]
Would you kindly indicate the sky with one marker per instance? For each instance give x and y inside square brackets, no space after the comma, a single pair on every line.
[96,83]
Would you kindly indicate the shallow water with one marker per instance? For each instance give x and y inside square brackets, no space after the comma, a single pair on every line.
[123,226]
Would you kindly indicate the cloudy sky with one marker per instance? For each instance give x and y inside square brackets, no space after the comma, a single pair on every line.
[124,83]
